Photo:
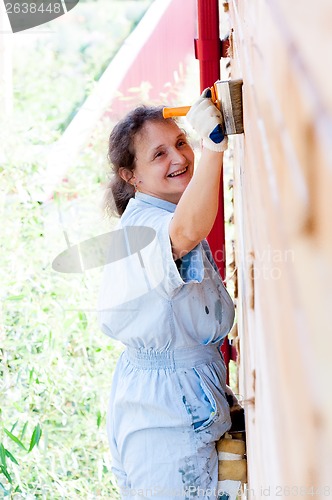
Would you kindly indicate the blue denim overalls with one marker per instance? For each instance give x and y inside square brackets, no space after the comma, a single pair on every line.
[167,405]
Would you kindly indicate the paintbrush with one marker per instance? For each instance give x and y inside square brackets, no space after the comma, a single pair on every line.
[227,96]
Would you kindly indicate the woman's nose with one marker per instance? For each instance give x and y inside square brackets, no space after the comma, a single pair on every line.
[177,157]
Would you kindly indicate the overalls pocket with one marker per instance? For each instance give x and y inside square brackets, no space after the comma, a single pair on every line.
[211,403]
[213,388]
[203,396]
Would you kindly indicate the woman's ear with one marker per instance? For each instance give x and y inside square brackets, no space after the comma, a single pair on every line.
[126,175]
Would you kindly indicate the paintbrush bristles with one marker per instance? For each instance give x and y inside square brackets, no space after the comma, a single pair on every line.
[229,101]
[227,96]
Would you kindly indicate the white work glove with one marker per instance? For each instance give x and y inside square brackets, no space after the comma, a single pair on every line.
[206,119]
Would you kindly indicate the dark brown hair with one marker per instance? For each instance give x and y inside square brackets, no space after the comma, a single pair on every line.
[121,154]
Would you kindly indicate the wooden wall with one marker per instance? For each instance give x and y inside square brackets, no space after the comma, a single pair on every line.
[283,204]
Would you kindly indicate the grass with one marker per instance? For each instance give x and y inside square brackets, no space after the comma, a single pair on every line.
[56,366]
[69,56]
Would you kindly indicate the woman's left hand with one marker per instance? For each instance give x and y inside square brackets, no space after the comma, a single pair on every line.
[207,120]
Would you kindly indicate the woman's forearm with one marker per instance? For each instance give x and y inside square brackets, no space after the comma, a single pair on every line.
[197,209]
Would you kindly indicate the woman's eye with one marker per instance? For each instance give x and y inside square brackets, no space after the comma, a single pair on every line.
[159,154]
[181,143]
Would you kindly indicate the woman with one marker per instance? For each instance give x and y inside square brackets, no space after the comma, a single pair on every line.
[166,302]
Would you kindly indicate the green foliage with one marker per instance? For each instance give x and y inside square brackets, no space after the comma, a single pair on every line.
[56,366]
[4,453]
[58,63]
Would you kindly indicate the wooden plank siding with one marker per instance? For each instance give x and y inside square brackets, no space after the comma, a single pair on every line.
[282,204]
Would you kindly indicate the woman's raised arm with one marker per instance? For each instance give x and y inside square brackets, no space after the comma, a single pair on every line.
[197,209]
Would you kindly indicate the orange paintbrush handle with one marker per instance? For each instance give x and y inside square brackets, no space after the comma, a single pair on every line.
[181,111]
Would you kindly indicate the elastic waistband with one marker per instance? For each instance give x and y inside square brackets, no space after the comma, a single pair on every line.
[186,357]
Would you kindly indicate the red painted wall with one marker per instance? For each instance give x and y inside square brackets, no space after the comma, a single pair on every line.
[170,43]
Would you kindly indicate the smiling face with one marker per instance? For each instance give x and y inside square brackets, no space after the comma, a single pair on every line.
[164,160]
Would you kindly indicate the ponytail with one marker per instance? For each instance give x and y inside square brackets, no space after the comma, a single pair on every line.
[117,195]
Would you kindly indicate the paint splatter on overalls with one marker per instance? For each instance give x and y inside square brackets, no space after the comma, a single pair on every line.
[167,405]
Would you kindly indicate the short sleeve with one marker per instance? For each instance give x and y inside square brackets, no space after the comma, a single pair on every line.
[158,258]
[191,269]
[209,255]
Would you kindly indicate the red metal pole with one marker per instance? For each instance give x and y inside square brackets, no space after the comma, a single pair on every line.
[208,52]
[208,43]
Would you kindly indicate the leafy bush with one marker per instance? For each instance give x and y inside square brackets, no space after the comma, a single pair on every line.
[56,366]
[58,63]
